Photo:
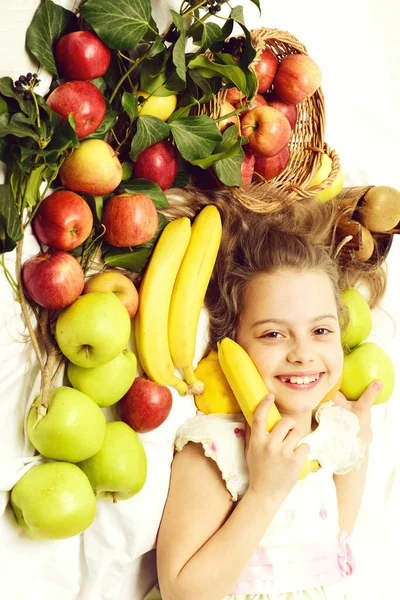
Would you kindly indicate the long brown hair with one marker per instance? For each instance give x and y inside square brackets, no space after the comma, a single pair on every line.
[298,236]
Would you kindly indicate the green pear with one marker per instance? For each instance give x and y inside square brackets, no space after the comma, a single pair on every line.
[119,469]
[53,501]
[366,363]
[108,383]
[360,319]
[72,429]
[93,330]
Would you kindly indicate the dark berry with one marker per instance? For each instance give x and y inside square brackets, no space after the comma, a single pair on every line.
[22,79]
[27,96]
[217,8]
[28,77]
[141,99]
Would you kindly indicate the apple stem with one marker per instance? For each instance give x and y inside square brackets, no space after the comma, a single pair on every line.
[114,497]
[24,306]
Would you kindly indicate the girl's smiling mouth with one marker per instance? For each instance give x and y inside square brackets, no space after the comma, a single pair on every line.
[300,381]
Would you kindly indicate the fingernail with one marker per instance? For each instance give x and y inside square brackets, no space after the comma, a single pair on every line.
[378,384]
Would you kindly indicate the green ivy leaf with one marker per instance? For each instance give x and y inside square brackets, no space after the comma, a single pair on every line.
[18,125]
[230,73]
[127,168]
[11,222]
[133,261]
[100,84]
[156,47]
[228,169]
[32,188]
[212,33]
[110,119]
[48,24]
[129,104]
[149,131]
[120,24]
[64,137]
[257,3]
[151,189]
[153,72]
[178,52]
[195,137]
[26,106]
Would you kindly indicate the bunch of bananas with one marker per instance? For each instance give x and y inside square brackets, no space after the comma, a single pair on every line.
[171,296]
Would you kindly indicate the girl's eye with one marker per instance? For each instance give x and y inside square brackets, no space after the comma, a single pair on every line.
[272,335]
[322,331]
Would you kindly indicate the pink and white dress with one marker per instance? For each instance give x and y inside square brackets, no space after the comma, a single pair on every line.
[302,555]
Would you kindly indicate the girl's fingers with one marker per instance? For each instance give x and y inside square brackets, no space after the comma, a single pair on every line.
[258,425]
[366,399]
[291,440]
[302,451]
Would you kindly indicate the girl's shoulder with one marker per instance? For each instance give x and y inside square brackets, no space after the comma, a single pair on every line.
[222,437]
[335,442]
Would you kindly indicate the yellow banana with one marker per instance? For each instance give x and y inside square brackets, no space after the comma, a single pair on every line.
[217,396]
[249,388]
[151,320]
[189,291]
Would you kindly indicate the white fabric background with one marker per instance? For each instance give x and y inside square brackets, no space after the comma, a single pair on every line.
[357,47]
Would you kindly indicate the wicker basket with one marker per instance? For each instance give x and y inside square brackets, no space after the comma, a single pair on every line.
[348,233]
[307,141]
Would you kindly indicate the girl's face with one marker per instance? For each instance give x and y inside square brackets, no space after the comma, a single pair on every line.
[290,328]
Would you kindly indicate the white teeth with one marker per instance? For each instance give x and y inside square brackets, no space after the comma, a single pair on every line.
[300,380]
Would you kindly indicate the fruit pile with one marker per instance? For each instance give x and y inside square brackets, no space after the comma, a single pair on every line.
[87,167]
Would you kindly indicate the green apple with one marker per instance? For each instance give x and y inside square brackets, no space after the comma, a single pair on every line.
[72,429]
[119,469]
[366,363]
[54,501]
[108,383]
[93,330]
[360,319]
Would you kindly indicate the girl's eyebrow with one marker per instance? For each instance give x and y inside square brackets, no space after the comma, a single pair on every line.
[285,322]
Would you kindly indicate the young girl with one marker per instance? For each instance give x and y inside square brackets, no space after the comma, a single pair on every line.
[239,523]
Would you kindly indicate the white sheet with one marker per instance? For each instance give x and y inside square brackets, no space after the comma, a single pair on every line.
[356,45]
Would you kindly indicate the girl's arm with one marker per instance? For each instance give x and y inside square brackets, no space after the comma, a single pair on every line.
[203,545]
[349,491]
[350,487]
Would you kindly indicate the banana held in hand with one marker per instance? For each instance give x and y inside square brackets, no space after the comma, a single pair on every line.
[249,388]
[189,291]
[151,320]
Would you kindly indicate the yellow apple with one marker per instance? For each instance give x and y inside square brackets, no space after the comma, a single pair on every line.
[93,168]
[156,106]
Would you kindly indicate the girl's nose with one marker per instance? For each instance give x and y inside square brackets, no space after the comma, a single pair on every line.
[301,352]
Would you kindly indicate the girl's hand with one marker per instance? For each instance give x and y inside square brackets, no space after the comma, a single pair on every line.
[362,408]
[273,459]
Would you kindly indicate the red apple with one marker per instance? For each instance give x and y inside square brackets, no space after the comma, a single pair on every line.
[267,130]
[265,70]
[289,110]
[82,55]
[83,100]
[297,78]
[63,220]
[130,220]
[233,96]
[53,279]
[118,284]
[145,406]
[158,163]
[271,167]
[226,109]
[247,168]
[258,100]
